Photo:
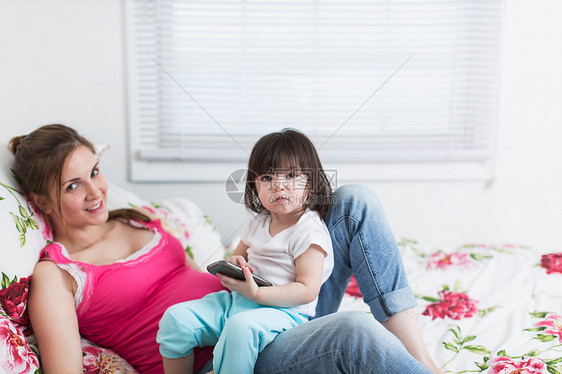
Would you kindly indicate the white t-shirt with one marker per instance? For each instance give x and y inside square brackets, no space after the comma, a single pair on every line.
[273,258]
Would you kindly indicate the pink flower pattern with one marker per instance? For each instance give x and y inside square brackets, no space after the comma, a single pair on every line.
[103,361]
[15,355]
[553,324]
[529,365]
[452,305]
[442,260]
[552,262]
[172,225]
[13,300]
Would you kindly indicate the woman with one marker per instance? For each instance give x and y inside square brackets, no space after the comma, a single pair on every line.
[109,276]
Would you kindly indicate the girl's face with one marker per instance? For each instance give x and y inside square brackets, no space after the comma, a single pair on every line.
[83,193]
[282,192]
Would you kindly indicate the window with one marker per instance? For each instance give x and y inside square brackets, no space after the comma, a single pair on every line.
[391,84]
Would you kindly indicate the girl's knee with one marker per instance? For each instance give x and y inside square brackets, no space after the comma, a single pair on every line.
[167,321]
[170,317]
[240,327]
[177,320]
[175,336]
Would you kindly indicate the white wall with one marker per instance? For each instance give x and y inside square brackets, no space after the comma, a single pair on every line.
[63,61]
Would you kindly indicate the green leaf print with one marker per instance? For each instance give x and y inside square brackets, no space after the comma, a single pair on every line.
[6,282]
[32,224]
[189,251]
[458,343]
[477,349]
[431,299]
[553,362]
[538,314]
[545,338]
[23,220]
[24,212]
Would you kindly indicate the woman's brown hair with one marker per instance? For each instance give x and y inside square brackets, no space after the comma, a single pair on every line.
[39,160]
[288,148]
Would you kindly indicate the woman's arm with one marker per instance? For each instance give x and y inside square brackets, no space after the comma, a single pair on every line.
[304,289]
[53,317]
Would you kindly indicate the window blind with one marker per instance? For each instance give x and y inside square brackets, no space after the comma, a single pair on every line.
[393,81]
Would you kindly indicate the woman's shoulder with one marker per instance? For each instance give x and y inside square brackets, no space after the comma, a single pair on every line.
[53,251]
[44,270]
[47,272]
[49,285]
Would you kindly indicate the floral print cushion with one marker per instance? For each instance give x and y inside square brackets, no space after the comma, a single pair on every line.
[13,302]
[99,360]
[492,309]
[16,356]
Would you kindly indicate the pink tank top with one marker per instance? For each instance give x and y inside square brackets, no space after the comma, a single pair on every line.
[119,305]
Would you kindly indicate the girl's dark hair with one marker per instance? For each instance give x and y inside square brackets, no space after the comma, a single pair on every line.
[288,149]
[39,160]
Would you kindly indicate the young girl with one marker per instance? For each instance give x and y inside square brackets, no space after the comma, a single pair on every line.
[287,243]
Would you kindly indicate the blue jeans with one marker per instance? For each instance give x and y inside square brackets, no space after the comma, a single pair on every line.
[365,246]
[351,342]
[345,342]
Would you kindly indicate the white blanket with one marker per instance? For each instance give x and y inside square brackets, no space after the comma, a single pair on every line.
[486,308]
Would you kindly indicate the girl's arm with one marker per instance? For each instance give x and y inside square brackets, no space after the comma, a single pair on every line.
[304,289]
[53,317]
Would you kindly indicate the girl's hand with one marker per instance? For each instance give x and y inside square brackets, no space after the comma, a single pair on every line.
[240,261]
[247,288]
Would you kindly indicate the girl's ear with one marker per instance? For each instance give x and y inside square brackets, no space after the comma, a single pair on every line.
[41,203]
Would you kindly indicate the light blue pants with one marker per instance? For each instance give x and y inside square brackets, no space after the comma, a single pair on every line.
[237,327]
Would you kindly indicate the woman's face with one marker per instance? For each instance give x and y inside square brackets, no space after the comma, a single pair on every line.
[83,193]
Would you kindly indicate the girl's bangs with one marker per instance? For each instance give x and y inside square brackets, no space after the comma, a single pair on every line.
[282,159]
